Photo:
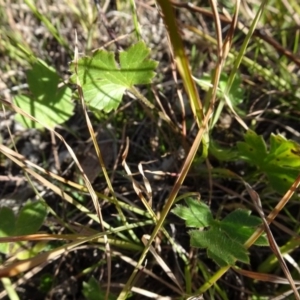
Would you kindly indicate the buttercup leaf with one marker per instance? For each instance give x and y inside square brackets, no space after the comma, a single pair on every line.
[223,239]
[47,103]
[197,214]
[104,80]
[281,163]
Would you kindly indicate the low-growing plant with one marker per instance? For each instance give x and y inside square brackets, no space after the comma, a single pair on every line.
[224,239]
[49,104]
[135,233]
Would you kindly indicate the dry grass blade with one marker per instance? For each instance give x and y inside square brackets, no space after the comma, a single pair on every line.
[18,267]
[146,182]
[283,296]
[40,237]
[6,151]
[147,294]
[168,205]
[135,184]
[273,245]
[89,186]
[183,68]
[70,150]
[139,192]
[148,272]
[258,33]
[229,37]
[182,63]
[264,277]
[273,214]
[161,262]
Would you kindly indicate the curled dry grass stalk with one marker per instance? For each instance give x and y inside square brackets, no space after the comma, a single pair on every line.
[125,230]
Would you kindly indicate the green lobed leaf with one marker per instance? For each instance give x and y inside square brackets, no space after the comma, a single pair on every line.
[42,80]
[240,225]
[104,81]
[221,153]
[7,226]
[281,163]
[254,148]
[283,153]
[242,217]
[103,95]
[281,178]
[48,104]
[197,214]
[31,218]
[262,241]
[223,239]
[135,66]
[28,252]
[222,249]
